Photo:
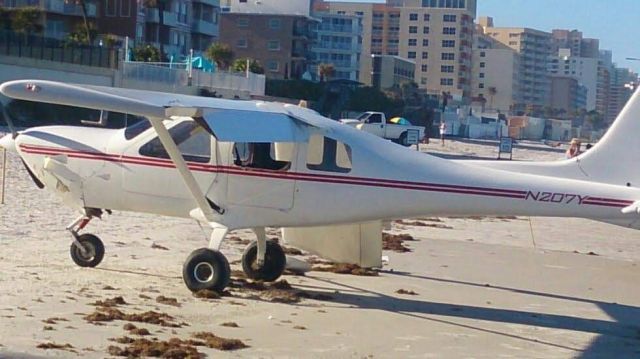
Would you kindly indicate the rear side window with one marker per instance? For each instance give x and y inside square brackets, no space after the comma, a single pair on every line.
[275,156]
[327,154]
[193,142]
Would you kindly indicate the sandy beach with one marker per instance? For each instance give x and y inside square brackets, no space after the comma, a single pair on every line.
[511,287]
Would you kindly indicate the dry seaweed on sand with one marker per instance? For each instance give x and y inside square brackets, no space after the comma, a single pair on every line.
[406,292]
[206,294]
[168,301]
[422,224]
[110,302]
[345,268]
[54,320]
[394,242]
[213,341]
[230,325]
[172,348]
[157,246]
[52,345]
[108,314]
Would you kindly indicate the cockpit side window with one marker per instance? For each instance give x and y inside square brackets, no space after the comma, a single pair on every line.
[274,156]
[193,142]
[327,154]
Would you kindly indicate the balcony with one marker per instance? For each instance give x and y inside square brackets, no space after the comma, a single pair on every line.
[152,15]
[337,28]
[170,18]
[204,27]
[61,7]
[215,3]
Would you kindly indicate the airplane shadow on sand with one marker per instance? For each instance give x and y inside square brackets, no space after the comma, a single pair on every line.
[618,339]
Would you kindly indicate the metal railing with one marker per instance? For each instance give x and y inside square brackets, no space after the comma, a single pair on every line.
[42,48]
[160,73]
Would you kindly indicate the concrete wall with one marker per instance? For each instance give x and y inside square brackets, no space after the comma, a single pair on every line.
[19,68]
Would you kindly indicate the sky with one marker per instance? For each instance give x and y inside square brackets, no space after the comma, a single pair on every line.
[614,22]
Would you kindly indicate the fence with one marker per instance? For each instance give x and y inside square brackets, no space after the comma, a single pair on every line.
[37,47]
[145,72]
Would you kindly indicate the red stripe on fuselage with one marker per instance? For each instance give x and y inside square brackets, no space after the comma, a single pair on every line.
[310,177]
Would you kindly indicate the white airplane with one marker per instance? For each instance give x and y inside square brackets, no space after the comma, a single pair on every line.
[245,164]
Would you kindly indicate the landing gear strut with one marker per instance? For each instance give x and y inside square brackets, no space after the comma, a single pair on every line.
[86,249]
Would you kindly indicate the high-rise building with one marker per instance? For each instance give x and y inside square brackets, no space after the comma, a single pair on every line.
[436,34]
[620,90]
[495,77]
[338,42]
[573,40]
[567,94]
[391,71]
[583,69]
[534,49]
[279,42]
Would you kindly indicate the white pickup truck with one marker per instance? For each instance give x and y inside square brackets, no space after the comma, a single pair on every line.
[376,123]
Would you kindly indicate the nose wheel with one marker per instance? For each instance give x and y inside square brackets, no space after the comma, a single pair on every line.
[206,269]
[270,268]
[87,250]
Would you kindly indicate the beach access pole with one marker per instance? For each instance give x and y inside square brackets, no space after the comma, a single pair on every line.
[4,173]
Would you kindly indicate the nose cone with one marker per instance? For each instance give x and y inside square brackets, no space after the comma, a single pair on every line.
[9,143]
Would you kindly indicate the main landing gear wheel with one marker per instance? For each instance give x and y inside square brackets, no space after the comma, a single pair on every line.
[273,266]
[206,269]
[91,253]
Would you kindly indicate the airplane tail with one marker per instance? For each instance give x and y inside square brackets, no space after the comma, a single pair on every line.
[615,159]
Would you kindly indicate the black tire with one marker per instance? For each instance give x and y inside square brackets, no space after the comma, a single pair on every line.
[403,140]
[206,269]
[94,251]
[274,264]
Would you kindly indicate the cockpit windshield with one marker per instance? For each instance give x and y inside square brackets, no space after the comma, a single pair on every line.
[135,126]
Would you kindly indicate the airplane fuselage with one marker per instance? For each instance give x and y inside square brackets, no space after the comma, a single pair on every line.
[102,168]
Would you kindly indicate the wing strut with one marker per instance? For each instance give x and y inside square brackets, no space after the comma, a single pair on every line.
[175,155]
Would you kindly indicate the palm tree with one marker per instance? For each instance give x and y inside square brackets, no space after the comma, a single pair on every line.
[492,92]
[87,28]
[240,65]
[326,71]
[221,54]
[27,20]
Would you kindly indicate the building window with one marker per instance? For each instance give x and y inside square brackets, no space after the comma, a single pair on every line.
[513,43]
[483,54]
[481,85]
[448,43]
[481,75]
[446,69]
[449,30]
[425,30]
[426,17]
[274,24]
[482,64]
[241,43]
[449,18]
[423,80]
[425,55]
[273,45]
[392,53]
[446,81]
[423,68]
[413,17]
[449,56]
[273,66]
[411,55]
[242,22]
[111,7]
[425,42]
[359,13]
[413,29]
[125,8]
[413,42]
